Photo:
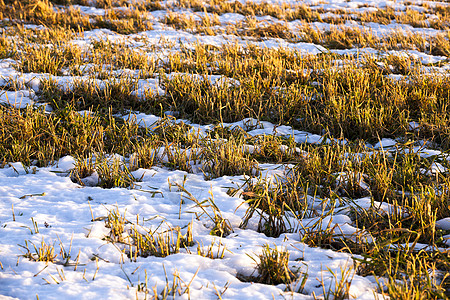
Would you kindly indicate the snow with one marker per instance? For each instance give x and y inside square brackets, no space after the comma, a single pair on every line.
[89,10]
[414,54]
[62,211]
[443,224]
[19,99]
[44,205]
[385,143]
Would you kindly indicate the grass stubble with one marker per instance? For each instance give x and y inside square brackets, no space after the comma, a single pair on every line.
[352,100]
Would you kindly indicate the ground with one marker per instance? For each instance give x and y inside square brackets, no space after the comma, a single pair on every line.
[224,150]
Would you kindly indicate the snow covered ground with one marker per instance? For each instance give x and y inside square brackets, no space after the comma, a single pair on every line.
[42,206]
[63,212]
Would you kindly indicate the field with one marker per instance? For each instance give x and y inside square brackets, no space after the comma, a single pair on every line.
[224,149]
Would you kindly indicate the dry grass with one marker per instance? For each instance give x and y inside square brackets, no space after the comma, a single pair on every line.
[351,98]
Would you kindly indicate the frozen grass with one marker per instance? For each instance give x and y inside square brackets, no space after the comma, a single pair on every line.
[326,131]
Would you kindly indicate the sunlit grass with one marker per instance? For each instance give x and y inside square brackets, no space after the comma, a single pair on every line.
[353,101]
